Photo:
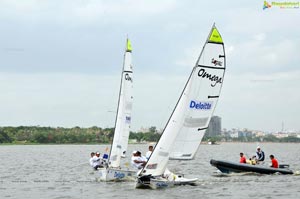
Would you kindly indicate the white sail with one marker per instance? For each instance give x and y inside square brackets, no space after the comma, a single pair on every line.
[123,118]
[203,97]
[192,111]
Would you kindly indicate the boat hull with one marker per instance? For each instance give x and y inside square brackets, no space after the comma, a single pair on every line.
[180,156]
[116,174]
[232,167]
[150,182]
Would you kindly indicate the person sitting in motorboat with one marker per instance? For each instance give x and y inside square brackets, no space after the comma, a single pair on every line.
[260,155]
[242,158]
[252,160]
[91,159]
[274,161]
[137,160]
[97,161]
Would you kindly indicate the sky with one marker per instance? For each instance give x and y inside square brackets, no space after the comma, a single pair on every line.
[61,61]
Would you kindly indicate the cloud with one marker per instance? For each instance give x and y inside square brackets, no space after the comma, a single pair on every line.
[260,37]
[262,56]
[74,13]
[59,99]
[259,101]
[60,60]
[188,57]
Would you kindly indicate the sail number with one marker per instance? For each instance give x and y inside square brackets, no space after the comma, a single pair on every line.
[127,77]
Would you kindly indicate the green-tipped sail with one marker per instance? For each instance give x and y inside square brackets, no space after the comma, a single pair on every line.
[123,117]
[128,46]
[191,116]
[201,91]
[215,36]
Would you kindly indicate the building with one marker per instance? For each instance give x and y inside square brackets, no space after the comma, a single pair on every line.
[214,128]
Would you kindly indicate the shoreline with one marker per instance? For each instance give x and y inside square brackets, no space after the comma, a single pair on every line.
[202,143]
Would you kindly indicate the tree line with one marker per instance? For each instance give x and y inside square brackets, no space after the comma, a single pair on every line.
[77,135]
[60,135]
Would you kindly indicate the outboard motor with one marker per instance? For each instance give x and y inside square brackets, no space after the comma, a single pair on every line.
[284,166]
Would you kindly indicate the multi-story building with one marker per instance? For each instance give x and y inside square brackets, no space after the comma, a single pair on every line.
[214,128]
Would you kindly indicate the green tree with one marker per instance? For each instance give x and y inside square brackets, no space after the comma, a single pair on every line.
[152,129]
[4,138]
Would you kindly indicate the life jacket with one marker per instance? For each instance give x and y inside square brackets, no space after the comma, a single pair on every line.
[260,155]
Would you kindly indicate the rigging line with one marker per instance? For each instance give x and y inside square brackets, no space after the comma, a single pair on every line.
[127,71]
[211,96]
[212,67]
[199,129]
[211,42]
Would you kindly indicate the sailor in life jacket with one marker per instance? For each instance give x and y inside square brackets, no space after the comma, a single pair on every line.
[252,160]
[148,154]
[91,159]
[97,161]
[137,160]
[260,155]
[242,158]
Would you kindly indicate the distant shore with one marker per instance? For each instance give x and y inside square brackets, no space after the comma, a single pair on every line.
[136,143]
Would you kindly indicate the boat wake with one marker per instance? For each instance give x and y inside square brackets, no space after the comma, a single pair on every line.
[220,174]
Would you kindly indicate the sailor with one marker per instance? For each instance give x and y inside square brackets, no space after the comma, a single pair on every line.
[133,157]
[148,154]
[260,155]
[97,161]
[274,161]
[137,160]
[242,158]
[91,159]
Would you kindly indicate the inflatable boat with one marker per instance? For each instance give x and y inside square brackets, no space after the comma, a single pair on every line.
[232,167]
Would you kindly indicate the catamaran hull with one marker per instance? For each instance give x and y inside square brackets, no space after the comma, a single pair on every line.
[113,174]
[232,167]
[149,182]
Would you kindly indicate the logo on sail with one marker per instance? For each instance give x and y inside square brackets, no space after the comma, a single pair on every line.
[214,78]
[200,105]
[127,77]
[216,62]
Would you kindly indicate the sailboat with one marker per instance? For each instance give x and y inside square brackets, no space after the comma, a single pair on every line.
[113,171]
[205,93]
[209,69]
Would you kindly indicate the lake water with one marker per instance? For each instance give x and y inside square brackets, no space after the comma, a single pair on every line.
[62,171]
